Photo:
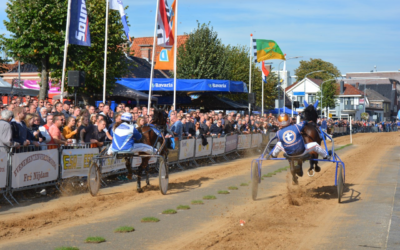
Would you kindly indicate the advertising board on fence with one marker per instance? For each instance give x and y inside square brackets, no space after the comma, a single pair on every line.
[231,142]
[186,149]
[203,150]
[34,168]
[3,169]
[76,162]
[173,154]
[244,141]
[218,146]
[256,140]
[272,135]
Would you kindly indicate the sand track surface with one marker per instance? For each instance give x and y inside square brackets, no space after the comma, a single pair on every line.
[286,218]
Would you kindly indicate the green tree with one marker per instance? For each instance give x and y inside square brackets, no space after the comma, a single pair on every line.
[202,56]
[37,34]
[330,72]
[91,59]
[315,65]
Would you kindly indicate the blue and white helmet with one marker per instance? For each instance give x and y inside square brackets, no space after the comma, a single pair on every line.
[126,117]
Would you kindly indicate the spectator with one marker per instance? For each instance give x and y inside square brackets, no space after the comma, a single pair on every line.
[55,131]
[11,107]
[69,131]
[83,123]
[216,129]
[96,134]
[32,122]
[92,110]
[66,108]
[188,127]
[27,100]
[139,123]
[6,134]
[44,130]
[39,106]
[221,118]
[18,102]
[117,119]
[198,130]
[21,133]
[76,112]
[101,106]
[176,127]
[228,125]
[43,115]
[106,115]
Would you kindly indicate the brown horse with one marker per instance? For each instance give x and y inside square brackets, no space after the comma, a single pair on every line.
[310,133]
[151,138]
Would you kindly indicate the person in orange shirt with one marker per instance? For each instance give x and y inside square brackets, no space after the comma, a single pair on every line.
[69,131]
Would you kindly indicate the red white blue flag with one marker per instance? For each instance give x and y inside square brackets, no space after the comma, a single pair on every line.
[265,72]
[79,32]
[164,37]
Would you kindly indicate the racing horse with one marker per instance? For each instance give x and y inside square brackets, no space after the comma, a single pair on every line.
[310,133]
[152,135]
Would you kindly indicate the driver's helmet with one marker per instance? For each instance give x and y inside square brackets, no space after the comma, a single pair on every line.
[126,117]
[284,120]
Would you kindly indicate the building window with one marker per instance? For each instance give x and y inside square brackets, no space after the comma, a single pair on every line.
[300,99]
[311,98]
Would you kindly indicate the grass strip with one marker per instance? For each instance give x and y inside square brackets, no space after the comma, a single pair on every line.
[209,197]
[124,229]
[267,175]
[233,188]
[244,184]
[169,211]
[67,248]
[150,219]
[197,202]
[183,207]
[342,147]
[96,239]
[223,192]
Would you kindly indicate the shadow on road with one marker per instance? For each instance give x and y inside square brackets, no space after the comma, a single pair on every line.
[330,192]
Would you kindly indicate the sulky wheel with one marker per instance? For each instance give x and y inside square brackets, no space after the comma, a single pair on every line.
[255,179]
[94,178]
[340,182]
[163,175]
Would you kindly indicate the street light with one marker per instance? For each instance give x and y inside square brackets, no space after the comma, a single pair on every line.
[279,76]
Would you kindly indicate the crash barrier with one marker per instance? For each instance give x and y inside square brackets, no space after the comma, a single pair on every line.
[34,167]
[345,130]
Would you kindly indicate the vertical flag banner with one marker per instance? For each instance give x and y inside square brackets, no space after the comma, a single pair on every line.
[118,5]
[163,25]
[266,50]
[165,60]
[265,72]
[79,32]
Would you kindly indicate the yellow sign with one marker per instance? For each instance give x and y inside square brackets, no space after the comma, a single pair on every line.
[330,115]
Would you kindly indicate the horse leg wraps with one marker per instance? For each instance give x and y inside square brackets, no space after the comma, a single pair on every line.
[278,148]
[315,147]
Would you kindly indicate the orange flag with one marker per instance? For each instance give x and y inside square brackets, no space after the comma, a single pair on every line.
[165,60]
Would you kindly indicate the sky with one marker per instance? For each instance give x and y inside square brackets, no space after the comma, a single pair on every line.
[354,35]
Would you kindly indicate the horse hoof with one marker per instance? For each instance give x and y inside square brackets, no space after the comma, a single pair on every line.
[300,173]
[139,190]
[311,172]
[317,169]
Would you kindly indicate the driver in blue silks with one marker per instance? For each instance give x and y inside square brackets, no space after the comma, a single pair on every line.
[291,142]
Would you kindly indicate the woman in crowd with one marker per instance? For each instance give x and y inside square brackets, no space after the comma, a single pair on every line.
[69,131]
[82,124]
[34,128]
[93,119]
[140,122]
[198,130]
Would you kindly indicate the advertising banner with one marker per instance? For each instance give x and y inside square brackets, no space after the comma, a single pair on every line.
[173,154]
[3,169]
[76,162]
[203,150]
[272,135]
[111,164]
[256,140]
[186,149]
[218,146]
[34,167]
[244,141]
[231,142]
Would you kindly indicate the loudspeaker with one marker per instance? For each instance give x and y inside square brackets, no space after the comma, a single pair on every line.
[296,104]
[252,98]
[76,78]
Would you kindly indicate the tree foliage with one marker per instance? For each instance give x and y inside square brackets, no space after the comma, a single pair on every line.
[37,30]
[330,72]
[37,34]
[203,56]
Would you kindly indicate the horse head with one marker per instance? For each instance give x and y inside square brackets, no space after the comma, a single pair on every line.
[310,112]
[159,117]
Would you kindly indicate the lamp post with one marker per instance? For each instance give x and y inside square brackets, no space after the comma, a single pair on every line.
[279,74]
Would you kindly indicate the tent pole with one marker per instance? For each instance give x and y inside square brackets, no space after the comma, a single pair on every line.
[152,60]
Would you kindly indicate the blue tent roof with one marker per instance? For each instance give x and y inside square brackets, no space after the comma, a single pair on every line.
[192,85]
[280,110]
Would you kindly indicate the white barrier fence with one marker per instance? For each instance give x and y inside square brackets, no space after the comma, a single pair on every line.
[3,169]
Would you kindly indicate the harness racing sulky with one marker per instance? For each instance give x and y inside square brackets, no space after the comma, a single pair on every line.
[299,143]
[146,144]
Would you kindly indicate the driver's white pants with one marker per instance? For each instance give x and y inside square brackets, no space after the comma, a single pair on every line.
[310,147]
[137,148]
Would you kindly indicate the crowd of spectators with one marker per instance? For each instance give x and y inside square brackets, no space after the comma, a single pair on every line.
[42,123]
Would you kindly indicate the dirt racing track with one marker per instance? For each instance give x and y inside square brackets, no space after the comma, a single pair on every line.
[284,216]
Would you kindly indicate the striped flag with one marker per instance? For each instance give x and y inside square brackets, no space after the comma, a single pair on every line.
[266,50]
[164,37]
[118,5]
[265,72]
